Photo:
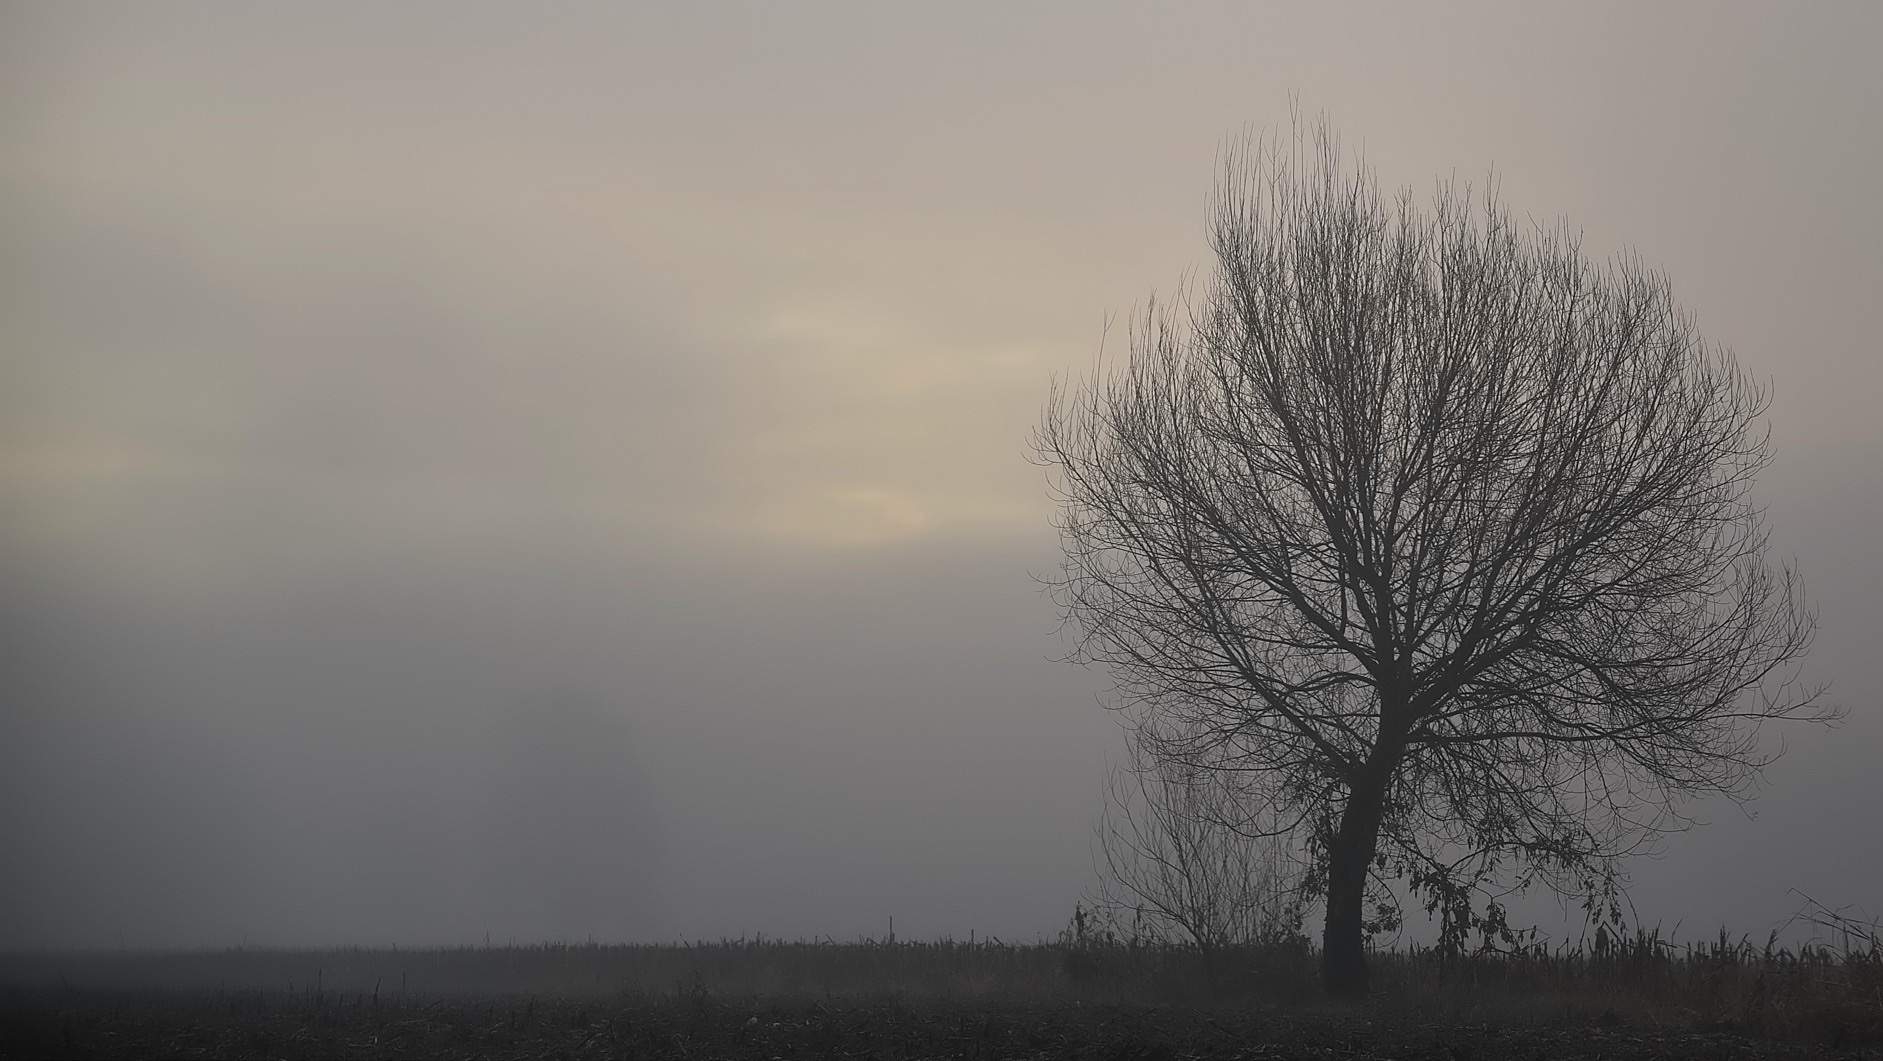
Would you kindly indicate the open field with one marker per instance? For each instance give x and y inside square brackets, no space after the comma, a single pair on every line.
[220,1026]
[763,999]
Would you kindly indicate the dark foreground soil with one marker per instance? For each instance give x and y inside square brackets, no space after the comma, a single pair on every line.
[101,1024]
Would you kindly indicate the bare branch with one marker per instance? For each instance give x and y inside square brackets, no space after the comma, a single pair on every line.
[1433,527]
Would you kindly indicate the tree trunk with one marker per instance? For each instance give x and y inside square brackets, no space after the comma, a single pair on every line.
[1343,937]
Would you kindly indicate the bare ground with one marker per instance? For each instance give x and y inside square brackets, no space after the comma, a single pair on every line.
[244,1024]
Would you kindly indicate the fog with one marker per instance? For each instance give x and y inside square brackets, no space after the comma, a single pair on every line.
[560,472]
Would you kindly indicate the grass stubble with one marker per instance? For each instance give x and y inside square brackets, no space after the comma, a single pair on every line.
[1636,997]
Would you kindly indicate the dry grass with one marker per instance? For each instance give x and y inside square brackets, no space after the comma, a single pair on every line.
[1825,994]
[1827,989]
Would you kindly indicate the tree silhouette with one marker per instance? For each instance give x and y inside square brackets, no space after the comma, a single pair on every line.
[1185,856]
[1435,534]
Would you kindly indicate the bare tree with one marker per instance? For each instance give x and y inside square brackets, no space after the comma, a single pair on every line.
[1188,856]
[1434,533]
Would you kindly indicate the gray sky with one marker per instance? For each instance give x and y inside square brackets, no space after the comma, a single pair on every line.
[560,472]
